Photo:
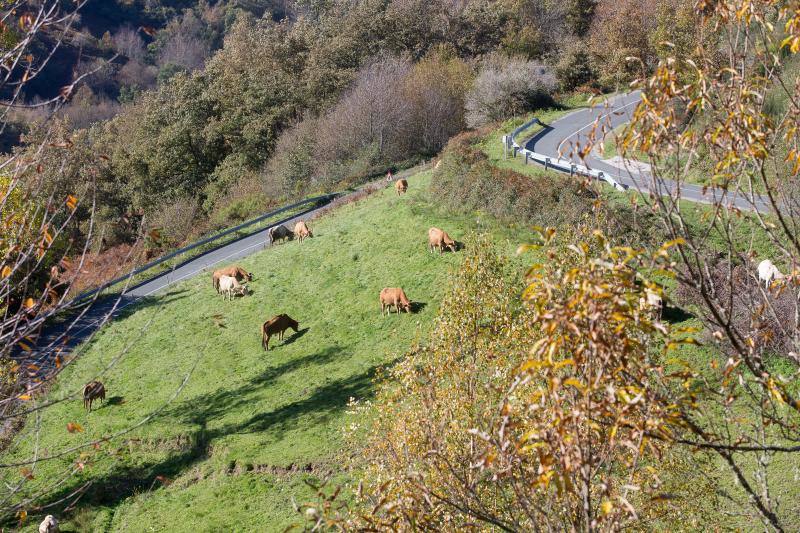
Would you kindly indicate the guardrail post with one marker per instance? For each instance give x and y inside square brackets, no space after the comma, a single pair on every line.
[527,156]
[546,162]
[515,151]
[572,170]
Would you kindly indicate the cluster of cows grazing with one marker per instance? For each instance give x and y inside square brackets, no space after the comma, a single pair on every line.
[231,281]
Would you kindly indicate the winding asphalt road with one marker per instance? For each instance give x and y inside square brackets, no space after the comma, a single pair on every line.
[561,138]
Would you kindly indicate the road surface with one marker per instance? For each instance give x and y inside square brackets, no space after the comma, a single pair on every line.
[560,138]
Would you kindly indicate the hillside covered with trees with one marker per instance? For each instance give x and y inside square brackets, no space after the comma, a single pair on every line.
[581,358]
[223,109]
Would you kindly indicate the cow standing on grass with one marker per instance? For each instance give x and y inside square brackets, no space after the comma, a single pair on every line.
[277,325]
[279,233]
[230,287]
[401,186]
[301,231]
[94,390]
[394,297]
[233,271]
[768,272]
[438,238]
[49,525]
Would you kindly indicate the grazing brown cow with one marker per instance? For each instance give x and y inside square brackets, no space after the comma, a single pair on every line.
[394,297]
[438,238]
[301,231]
[92,391]
[400,186]
[276,325]
[232,271]
[278,233]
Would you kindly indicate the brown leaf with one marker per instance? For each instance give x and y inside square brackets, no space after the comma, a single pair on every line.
[74,427]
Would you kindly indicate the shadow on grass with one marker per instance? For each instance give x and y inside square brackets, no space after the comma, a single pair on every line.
[674,315]
[319,406]
[115,400]
[417,307]
[296,335]
[217,404]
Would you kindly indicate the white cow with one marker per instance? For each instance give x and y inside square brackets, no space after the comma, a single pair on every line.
[652,300]
[768,272]
[230,287]
[49,525]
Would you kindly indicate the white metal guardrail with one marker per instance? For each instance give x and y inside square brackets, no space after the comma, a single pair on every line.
[563,165]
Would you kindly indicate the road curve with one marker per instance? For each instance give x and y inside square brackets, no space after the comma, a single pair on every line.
[560,139]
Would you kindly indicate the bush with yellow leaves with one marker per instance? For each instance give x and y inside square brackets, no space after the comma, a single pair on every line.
[541,412]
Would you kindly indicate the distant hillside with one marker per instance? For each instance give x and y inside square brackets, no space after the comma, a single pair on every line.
[155,21]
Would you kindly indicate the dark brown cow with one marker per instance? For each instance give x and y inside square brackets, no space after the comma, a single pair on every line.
[276,325]
[400,186]
[278,233]
[301,231]
[92,391]
[394,297]
[438,238]
[233,271]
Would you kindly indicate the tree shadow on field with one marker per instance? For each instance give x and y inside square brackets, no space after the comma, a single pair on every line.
[124,480]
[315,409]
[217,404]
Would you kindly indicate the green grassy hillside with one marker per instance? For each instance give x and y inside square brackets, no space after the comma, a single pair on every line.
[250,426]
